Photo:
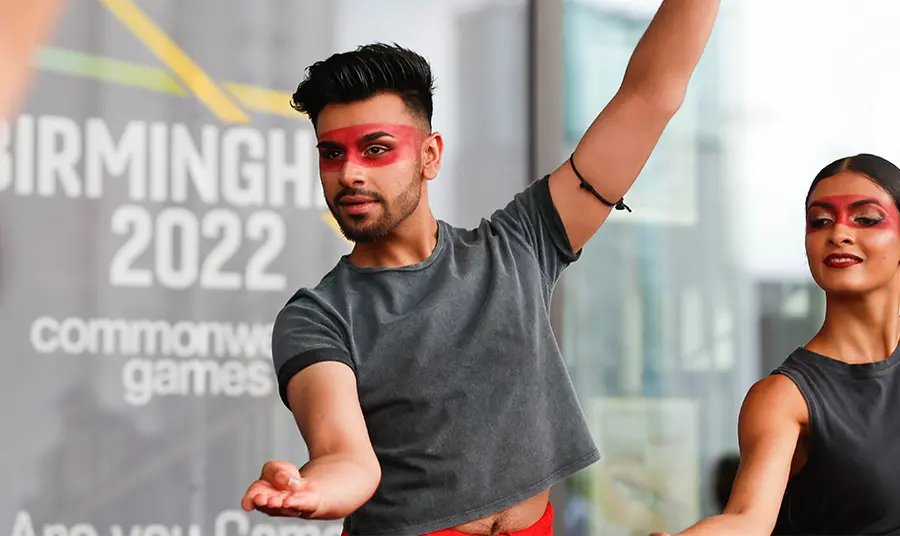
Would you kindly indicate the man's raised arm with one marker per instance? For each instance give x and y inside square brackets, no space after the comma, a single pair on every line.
[618,143]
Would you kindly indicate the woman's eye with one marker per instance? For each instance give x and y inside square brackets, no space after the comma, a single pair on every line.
[818,223]
[866,221]
[331,154]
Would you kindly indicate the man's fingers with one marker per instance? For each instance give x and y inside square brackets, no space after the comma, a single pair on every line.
[269,499]
[283,475]
[256,489]
[280,491]
[261,500]
[288,481]
[248,502]
[283,504]
[278,512]
[277,500]
[302,501]
[271,468]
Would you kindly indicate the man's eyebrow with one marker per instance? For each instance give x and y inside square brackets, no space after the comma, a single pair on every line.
[375,135]
[329,145]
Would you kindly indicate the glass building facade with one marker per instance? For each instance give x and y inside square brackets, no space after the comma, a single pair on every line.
[674,310]
[650,311]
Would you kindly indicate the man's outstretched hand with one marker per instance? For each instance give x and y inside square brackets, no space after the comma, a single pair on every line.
[281,491]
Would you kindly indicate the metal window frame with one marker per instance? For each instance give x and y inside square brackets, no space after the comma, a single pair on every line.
[546,135]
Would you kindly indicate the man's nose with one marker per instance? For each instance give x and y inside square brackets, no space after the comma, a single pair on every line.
[352,175]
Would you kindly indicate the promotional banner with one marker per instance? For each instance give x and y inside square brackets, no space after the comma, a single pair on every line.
[159,202]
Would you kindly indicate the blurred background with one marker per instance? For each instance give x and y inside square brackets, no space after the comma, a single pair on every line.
[159,202]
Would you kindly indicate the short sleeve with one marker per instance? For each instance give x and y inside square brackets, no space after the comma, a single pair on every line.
[304,334]
[531,219]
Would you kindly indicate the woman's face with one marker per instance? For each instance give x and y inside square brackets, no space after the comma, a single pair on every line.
[852,235]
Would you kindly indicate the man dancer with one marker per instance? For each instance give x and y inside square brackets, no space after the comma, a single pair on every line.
[422,370]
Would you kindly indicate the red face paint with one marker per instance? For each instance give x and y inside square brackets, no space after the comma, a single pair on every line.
[370,145]
[856,211]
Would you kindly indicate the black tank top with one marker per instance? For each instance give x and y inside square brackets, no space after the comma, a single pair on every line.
[850,483]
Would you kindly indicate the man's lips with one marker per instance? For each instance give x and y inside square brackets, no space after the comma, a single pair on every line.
[357,204]
[356,200]
[841,260]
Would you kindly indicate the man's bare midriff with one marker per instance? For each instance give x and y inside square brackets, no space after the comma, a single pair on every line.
[513,519]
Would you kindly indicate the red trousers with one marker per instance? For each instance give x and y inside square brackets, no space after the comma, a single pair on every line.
[543,527]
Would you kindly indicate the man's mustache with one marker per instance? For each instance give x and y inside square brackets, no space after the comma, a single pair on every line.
[347,192]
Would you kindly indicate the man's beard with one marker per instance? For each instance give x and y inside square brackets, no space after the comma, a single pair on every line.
[361,231]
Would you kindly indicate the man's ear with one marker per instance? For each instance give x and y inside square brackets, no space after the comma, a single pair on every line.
[432,152]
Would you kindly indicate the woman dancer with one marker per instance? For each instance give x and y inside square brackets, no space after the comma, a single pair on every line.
[820,436]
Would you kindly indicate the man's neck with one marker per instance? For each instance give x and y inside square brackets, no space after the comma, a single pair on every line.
[411,242]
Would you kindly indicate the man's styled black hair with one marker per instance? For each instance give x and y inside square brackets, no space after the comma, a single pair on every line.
[360,74]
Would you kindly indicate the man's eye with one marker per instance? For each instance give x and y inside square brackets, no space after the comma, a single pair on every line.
[376,150]
[332,154]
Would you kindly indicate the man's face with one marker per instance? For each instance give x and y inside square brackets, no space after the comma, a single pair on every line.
[374,156]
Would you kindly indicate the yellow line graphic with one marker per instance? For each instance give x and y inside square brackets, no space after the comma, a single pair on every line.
[115,71]
[162,46]
[109,70]
[263,99]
